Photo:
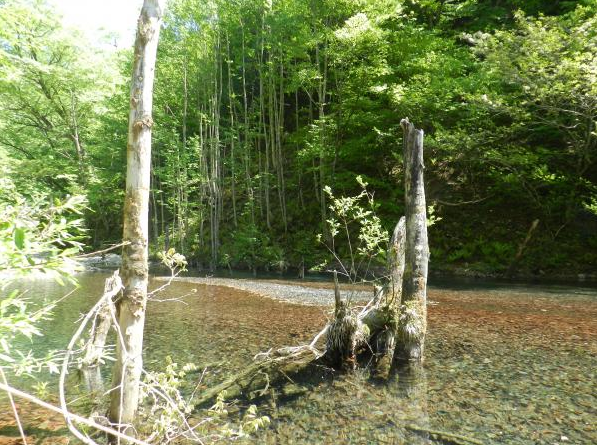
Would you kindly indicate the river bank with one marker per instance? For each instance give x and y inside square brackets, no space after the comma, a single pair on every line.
[308,293]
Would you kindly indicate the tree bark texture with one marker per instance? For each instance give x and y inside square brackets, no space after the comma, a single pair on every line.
[412,323]
[385,340]
[131,307]
[94,350]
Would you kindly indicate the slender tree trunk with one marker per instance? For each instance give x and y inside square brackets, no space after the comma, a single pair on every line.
[412,323]
[264,124]
[279,134]
[321,92]
[184,213]
[247,144]
[522,246]
[131,307]
[80,150]
[297,147]
[215,158]
[201,156]
[233,132]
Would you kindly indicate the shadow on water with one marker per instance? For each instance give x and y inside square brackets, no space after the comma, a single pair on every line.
[505,366]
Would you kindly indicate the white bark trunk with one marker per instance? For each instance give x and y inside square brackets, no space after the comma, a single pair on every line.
[131,308]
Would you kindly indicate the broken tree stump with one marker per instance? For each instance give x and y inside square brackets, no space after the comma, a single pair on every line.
[95,346]
[412,322]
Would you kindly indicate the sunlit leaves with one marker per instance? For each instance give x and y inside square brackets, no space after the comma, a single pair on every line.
[41,237]
[356,234]
[35,238]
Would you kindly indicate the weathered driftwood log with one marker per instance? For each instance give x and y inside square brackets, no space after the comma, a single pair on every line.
[267,367]
[412,323]
[445,436]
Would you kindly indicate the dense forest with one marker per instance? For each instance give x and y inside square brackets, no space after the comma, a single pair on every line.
[262,107]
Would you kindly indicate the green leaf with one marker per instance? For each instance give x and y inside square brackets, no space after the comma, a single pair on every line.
[5,345]
[6,358]
[19,238]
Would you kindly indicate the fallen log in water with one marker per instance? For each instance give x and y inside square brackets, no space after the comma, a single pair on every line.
[267,366]
[445,436]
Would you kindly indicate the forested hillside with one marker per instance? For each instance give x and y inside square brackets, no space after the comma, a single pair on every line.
[260,105]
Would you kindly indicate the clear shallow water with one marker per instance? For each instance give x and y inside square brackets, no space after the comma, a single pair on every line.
[507,365]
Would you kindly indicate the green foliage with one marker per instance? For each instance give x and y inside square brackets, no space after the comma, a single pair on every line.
[35,238]
[250,247]
[162,403]
[250,423]
[355,228]
[259,105]
[174,261]
[165,407]
[52,88]
[41,237]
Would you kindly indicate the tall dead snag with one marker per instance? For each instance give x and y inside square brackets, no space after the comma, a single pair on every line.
[412,322]
[131,307]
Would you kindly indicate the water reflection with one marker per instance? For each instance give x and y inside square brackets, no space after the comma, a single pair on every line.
[410,380]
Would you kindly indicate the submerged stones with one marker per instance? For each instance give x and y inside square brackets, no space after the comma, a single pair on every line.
[98,262]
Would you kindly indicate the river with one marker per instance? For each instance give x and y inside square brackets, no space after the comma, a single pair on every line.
[505,364]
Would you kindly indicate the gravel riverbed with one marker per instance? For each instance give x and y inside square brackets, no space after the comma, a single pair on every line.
[308,293]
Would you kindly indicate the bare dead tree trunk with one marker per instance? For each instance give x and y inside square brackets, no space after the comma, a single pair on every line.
[412,323]
[131,307]
[94,349]
[99,331]
[385,341]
